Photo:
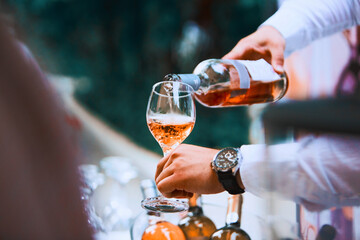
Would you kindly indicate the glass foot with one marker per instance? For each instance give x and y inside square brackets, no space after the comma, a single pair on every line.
[161,204]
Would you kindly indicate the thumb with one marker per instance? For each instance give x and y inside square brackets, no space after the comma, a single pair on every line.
[237,52]
[231,55]
[277,60]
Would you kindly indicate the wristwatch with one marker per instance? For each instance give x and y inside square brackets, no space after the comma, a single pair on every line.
[226,164]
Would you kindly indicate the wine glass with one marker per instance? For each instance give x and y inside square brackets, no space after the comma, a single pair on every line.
[170,117]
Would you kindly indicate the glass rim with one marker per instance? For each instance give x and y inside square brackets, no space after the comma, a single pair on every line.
[191,90]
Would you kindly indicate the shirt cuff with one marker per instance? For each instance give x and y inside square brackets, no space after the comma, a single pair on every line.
[257,159]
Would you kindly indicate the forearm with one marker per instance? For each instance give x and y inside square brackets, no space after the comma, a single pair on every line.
[302,21]
[324,172]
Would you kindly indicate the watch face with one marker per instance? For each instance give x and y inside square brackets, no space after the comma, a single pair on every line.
[227,158]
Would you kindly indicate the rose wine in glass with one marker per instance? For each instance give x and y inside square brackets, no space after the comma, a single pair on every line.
[170,117]
[170,130]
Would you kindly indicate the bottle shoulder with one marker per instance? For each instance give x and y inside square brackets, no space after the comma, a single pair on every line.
[230,232]
[211,66]
[197,227]
[196,219]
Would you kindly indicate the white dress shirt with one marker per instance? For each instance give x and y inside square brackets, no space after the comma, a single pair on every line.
[319,171]
[302,21]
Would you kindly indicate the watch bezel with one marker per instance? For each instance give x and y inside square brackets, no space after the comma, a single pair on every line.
[233,163]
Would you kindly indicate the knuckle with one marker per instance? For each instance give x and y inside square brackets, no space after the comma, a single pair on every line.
[278,46]
[178,163]
[174,156]
[168,195]
[160,187]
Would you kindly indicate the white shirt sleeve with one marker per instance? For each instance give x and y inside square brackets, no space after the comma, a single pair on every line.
[318,172]
[302,21]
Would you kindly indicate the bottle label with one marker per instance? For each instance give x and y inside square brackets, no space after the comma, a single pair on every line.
[260,70]
[243,73]
[232,217]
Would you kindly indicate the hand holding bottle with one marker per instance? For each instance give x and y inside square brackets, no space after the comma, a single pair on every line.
[266,43]
[187,170]
[231,82]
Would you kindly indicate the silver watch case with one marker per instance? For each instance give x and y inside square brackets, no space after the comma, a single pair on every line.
[227,159]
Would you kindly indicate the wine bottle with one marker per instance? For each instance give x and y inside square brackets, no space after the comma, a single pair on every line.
[158,228]
[228,83]
[195,225]
[326,232]
[232,230]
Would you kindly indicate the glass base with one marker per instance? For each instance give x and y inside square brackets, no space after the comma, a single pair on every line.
[161,204]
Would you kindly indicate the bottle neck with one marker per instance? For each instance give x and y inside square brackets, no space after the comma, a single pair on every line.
[153,216]
[195,204]
[195,200]
[148,189]
[233,215]
[191,79]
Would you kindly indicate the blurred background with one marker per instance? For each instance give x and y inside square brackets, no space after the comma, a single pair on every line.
[103,57]
[116,50]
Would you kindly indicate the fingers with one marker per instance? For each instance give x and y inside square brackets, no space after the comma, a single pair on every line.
[237,52]
[167,186]
[277,59]
[180,194]
[187,170]
[267,43]
[161,165]
[272,54]
[166,172]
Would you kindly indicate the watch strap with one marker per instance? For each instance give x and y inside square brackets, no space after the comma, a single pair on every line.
[228,180]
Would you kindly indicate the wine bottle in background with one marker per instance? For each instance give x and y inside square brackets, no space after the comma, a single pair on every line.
[156,228]
[326,232]
[232,230]
[227,83]
[195,225]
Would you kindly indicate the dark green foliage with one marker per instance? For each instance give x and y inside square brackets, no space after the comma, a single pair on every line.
[124,47]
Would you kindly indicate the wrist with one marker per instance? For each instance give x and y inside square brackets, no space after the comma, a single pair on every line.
[226,165]
[238,179]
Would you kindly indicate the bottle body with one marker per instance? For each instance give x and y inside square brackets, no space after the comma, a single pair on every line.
[195,225]
[162,230]
[228,83]
[232,230]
